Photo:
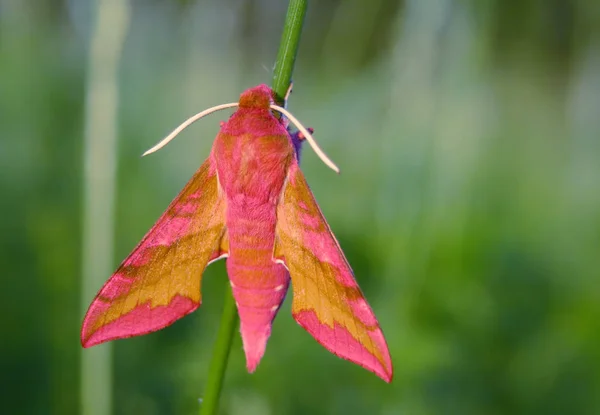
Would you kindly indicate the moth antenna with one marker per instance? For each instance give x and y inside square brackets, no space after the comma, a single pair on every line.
[186,124]
[308,137]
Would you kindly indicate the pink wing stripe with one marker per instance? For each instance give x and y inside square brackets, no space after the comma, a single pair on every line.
[141,320]
[338,338]
[164,236]
[120,284]
[166,231]
[363,312]
[167,235]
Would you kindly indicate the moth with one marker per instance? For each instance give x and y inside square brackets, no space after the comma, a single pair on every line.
[249,203]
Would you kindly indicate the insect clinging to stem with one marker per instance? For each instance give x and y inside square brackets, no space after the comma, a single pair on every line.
[249,203]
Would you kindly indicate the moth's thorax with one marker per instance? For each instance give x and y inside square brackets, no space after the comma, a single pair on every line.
[252,153]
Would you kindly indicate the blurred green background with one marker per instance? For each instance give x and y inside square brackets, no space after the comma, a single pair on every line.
[468,134]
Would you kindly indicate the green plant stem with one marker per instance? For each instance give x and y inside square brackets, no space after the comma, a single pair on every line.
[288,48]
[282,76]
[218,364]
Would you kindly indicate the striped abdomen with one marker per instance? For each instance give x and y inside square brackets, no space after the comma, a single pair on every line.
[259,284]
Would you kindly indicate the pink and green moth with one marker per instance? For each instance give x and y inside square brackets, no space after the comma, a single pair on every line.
[248,202]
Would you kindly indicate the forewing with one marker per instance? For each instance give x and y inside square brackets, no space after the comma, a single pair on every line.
[327,300]
[160,280]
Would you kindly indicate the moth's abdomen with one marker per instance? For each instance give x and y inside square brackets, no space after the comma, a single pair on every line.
[259,284]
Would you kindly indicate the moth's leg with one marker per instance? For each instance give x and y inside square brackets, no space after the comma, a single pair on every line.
[287,94]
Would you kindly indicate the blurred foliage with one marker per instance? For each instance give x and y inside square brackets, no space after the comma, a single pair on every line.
[469,204]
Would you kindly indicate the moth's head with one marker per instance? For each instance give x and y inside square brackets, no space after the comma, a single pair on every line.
[260,96]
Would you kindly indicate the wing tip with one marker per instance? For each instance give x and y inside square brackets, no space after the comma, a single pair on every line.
[383,373]
[87,342]
[376,367]
[141,320]
[91,341]
[328,338]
